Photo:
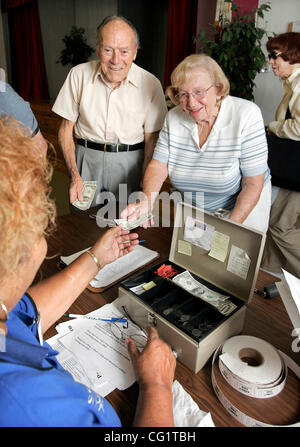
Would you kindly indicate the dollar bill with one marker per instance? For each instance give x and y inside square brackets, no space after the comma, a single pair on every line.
[130,224]
[89,190]
[221,302]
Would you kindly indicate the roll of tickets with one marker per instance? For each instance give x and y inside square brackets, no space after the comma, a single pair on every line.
[253,367]
[263,377]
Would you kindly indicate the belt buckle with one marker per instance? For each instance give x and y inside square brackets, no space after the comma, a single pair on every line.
[104,147]
[117,147]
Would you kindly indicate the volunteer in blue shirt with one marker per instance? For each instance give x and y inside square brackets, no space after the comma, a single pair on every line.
[34,389]
[12,104]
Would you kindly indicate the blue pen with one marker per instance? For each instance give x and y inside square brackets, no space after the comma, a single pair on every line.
[86,317]
[140,241]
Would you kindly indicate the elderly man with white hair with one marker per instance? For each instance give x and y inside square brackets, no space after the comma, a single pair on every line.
[115,110]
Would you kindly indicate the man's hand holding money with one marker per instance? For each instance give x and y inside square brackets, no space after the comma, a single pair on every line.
[138,213]
[88,193]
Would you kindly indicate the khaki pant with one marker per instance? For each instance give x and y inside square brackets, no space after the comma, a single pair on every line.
[282,249]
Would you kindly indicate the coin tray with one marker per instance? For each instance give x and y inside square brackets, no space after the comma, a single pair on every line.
[184,310]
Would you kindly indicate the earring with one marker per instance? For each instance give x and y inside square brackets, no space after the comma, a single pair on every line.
[4,308]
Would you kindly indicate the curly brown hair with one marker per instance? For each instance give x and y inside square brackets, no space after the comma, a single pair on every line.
[26,210]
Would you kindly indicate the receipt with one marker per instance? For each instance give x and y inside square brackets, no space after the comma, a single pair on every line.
[219,246]
[185,248]
[238,262]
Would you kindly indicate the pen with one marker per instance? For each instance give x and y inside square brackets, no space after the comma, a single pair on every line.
[140,241]
[112,320]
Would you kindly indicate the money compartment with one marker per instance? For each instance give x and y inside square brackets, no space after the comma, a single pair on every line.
[190,314]
[192,326]
[159,287]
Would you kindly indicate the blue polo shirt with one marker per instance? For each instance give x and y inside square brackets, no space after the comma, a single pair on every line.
[35,391]
[12,104]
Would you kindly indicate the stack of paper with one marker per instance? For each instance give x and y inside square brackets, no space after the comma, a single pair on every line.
[93,354]
[95,357]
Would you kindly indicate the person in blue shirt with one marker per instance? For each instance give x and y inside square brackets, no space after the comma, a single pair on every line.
[12,104]
[34,389]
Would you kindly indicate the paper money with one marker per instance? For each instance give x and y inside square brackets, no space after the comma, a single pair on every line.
[219,301]
[89,190]
[130,224]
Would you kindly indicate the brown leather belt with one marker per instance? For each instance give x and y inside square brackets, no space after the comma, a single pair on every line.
[111,147]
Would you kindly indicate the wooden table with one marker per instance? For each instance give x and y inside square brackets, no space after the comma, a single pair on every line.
[265,318]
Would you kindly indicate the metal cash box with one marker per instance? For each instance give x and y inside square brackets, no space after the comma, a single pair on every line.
[193,327]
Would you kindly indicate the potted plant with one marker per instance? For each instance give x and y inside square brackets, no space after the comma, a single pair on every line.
[236,46]
[76,49]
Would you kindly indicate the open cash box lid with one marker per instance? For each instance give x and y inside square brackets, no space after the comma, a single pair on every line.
[238,272]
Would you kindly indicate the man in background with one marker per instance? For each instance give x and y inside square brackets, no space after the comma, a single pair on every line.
[115,110]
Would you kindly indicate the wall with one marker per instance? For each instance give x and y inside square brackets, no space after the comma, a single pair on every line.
[268,91]
[56,18]
[205,18]
[150,17]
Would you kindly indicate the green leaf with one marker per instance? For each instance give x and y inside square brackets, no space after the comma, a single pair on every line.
[238,49]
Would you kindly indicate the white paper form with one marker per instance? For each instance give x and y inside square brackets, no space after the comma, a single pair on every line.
[81,373]
[85,373]
[95,345]
[119,268]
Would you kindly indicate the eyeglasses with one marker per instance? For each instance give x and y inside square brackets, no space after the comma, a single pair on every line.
[196,94]
[129,329]
[273,55]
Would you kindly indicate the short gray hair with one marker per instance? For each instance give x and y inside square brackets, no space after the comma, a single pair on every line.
[111,19]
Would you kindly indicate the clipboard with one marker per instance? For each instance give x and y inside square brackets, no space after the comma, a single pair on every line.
[145,257]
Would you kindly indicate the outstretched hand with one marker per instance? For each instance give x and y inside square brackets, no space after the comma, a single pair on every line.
[115,243]
[135,210]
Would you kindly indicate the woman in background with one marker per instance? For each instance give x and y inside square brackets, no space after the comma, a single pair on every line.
[282,249]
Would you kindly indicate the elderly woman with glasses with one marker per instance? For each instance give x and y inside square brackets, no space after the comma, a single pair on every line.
[212,146]
[35,390]
[282,248]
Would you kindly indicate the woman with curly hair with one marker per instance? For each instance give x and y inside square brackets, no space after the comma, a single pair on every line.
[34,389]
